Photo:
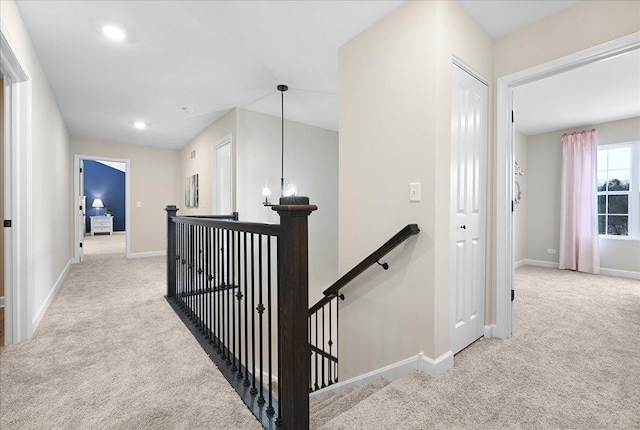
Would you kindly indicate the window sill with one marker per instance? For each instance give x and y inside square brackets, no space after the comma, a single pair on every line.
[600,236]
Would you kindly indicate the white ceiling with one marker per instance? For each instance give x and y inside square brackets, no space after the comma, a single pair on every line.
[604,91]
[499,18]
[212,56]
[209,55]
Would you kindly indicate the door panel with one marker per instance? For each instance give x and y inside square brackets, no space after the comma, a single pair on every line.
[468,201]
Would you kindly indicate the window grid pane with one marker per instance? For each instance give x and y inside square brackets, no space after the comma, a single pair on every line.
[615,204]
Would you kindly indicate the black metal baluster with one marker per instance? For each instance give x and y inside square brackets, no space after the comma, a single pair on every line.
[228,295]
[330,344]
[246,312]
[323,359]
[178,263]
[202,274]
[270,410]
[232,286]
[219,296]
[216,284]
[254,390]
[316,345]
[223,285]
[190,266]
[310,355]
[260,309]
[279,419]
[198,271]
[239,296]
[338,298]
[209,285]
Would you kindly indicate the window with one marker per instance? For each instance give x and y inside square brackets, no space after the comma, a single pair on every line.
[618,196]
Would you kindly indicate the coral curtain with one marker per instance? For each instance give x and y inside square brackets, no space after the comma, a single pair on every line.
[578,216]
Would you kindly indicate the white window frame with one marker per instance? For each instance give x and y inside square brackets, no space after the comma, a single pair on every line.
[634,190]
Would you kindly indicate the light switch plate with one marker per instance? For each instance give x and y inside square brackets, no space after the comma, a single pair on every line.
[414,192]
[139,204]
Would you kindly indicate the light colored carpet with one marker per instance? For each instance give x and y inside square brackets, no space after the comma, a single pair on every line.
[111,354]
[573,363]
[105,244]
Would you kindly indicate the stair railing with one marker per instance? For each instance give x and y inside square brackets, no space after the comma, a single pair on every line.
[323,316]
[242,290]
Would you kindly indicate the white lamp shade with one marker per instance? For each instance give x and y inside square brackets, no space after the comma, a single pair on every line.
[97,203]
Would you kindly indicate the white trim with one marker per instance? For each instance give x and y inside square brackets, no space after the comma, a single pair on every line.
[35,322]
[519,263]
[504,157]
[147,254]
[437,367]
[603,271]
[488,331]
[541,263]
[76,200]
[18,190]
[620,273]
[470,70]
[420,362]
[227,140]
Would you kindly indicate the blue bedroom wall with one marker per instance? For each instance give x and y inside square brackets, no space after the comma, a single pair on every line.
[106,183]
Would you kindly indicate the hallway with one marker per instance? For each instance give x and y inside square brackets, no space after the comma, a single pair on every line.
[110,353]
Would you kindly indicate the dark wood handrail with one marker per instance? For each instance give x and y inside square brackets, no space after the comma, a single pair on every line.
[372,259]
[249,227]
[323,353]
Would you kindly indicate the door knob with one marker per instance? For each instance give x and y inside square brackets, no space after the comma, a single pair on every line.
[464,227]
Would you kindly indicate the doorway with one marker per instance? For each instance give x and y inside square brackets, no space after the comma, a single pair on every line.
[504,303]
[102,196]
[222,177]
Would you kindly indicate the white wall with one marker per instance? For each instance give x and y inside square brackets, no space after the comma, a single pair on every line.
[395,128]
[153,178]
[520,209]
[51,167]
[544,152]
[201,164]
[311,162]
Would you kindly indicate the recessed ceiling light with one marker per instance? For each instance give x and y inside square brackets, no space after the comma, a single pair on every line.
[140,125]
[113,32]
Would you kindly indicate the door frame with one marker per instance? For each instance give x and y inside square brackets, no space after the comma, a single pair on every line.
[17,251]
[227,140]
[76,200]
[504,166]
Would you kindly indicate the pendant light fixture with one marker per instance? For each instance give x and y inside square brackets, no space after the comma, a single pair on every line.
[290,189]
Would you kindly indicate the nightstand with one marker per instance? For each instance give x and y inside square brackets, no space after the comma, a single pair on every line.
[101,224]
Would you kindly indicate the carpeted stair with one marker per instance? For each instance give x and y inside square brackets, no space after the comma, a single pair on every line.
[324,409]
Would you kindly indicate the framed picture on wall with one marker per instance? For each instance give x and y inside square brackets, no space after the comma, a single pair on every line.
[191,191]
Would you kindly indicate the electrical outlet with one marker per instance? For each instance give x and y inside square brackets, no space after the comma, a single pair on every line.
[551,251]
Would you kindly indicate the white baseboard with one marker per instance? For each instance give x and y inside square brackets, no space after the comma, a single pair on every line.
[620,273]
[421,362]
[147,254]
[488,330]
[437,367]
[540,263]
[519,263]
[35,321]
[603,271]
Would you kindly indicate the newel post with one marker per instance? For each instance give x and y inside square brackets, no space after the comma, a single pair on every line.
[293,315]
[171,251]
